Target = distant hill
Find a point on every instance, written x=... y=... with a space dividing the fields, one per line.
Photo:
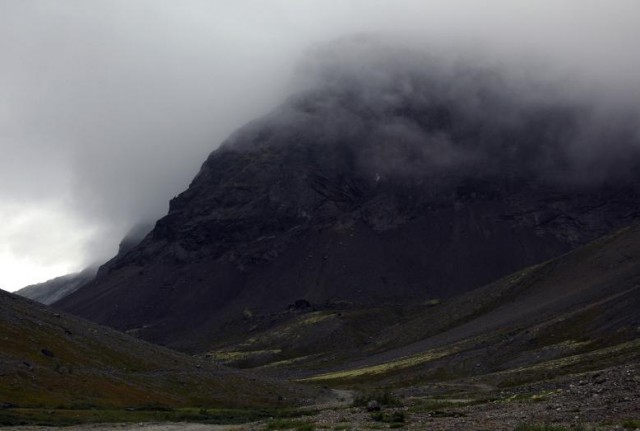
x=57 y=288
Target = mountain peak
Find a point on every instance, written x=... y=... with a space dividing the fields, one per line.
x=409 y=185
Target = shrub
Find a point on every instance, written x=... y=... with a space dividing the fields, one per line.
x=384 y=398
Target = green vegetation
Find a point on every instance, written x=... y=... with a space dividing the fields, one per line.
x=547 y=427
x=288 y=424
x=392 y=366
x=396 y=417
x=61 y=363
x=230 y=356
x=64 y=417
x=631 y=424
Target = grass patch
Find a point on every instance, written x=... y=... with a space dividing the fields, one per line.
x=547 y=427
x=231 y=356
x=288 y=424
x=391 y=366
x=631 y=424
x=529 y=398
x=66 y=417
x=446 y=414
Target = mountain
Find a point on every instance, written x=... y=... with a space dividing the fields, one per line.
x=133 y=237
x=391 y=180
x=52 y=360
x=57 y=288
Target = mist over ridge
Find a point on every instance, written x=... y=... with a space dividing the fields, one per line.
x=407 y=112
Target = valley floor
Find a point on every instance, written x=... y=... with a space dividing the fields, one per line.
x=602 y=400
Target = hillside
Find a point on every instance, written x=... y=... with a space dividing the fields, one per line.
x=577 y=313
x=52 y=360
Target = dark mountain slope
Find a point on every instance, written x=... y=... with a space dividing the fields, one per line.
x=51 y=360
x=575 y=313
x=382 y=185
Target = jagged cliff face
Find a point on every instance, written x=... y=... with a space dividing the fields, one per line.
x=409 y=185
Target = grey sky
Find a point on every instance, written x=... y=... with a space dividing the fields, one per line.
x=107 y=108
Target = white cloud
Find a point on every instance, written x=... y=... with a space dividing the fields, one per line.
x=38 y=242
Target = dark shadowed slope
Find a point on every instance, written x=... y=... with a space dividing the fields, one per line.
x=52 y=360
x=369 y=191
x=575 y=313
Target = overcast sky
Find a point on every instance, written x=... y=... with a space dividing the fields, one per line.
x=108 y=108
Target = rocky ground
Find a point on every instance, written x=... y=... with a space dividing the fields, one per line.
x=602 y=400
x=605 y=400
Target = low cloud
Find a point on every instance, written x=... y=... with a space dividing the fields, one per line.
x=409 y=112
x=108 y=108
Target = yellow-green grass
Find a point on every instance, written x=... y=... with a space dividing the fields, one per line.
x=288 y=330
x=237 y=355
x=391 y=366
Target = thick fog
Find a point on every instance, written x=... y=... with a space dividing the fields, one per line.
x=409 y=112
x=107 y=108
